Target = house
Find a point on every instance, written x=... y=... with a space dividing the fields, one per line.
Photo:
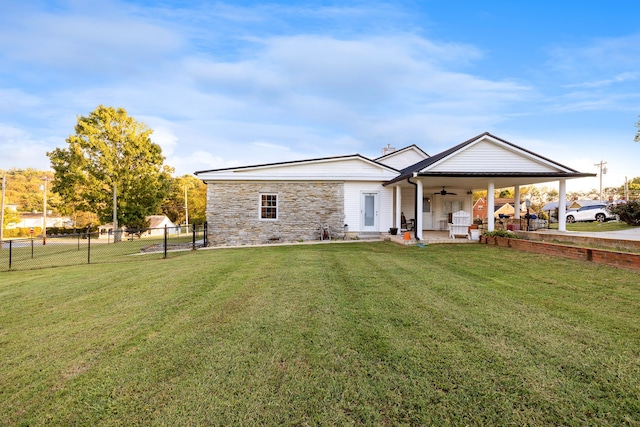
x=36 y=219
x=507 y=207
x=480 y=209
x=156 y=227
x=356 y=195
x=157 y=224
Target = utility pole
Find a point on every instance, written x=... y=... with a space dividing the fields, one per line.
x=186 y=207
x=626 y=189
x=603 y=170
x=44 y=212
x=116 y=234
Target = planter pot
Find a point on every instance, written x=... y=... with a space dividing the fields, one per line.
x=393 y=231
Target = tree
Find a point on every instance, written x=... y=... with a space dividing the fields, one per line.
x=174 y=204
x=637 y=138
x=505 y=193
x=9 y=217
x=23 y=190
x=628 y=212
x=111 y=152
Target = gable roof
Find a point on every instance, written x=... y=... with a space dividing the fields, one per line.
x=487 y=156
x=156 y=221
x=403 y=157
x=349 y=167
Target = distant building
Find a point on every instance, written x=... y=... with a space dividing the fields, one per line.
x=156 y=227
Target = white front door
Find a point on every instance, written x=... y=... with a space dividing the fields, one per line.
x=369 y=211
x=427 y=215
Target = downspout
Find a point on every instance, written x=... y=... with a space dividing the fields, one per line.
x=415 y=208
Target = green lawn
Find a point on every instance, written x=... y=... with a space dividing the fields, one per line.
x=592 y=226
x=339 y=334
x=64 y=251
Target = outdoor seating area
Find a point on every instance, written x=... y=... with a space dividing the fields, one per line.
x=460 y=223
x=506 y=222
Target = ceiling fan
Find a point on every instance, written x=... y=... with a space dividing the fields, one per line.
x=444 y=192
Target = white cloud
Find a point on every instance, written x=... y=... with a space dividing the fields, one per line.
x=225 y=85
x=619 y=78
x=113 y=41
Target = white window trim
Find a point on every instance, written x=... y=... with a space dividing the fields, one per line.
x=277 y=207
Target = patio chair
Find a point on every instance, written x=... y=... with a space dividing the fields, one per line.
x=459 y=226
x=406 y=225
x=325 y=232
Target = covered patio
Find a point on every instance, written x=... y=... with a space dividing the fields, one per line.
x=433 y=189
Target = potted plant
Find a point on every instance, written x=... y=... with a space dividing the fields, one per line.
x=393 y=231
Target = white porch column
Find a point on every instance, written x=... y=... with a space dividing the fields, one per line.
x=398 y=192
x=491 y=203
x=562 y=206
x=516 y=202
x=419 y=197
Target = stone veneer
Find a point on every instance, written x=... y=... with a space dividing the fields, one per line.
x=233 y=212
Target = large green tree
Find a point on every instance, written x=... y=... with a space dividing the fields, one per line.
x=111 y=150
x=637 y=138
x=174 y=204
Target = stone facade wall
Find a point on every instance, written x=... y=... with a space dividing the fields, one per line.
x=233 y=212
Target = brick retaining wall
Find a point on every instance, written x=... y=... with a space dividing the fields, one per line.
x=600 y=256
x=580 y=240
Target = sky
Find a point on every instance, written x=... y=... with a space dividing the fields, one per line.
x=228 y=83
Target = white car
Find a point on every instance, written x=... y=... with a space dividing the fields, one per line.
x=598 y=213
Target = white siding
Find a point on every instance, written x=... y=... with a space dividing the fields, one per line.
x=351 y=169
x=403 y=159
x=352 y=197
x=487 y=156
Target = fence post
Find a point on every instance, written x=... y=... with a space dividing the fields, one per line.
x=205 y=237
x=31 y=248
x=88 y=245
x=165 y=241
x=10 y=252
x=193 y=239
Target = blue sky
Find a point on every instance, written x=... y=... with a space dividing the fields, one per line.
x=245 y=82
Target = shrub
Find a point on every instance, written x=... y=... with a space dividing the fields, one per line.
x=628 y=212
x=501 y=233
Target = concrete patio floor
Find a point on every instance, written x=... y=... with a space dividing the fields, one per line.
x=428 y=237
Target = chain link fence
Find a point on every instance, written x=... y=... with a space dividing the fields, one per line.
x=94 y=248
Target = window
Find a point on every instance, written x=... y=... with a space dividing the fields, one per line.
x=268 y=206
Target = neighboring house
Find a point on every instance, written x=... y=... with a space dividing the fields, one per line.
x=291 y=201
x=35 y=219
x=480 y=209
x=156 y=227
x=506 y=207
x=157 y=223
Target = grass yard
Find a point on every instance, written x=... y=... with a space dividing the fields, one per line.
x=29 y=254
x=338 y=334
x=594 y=226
